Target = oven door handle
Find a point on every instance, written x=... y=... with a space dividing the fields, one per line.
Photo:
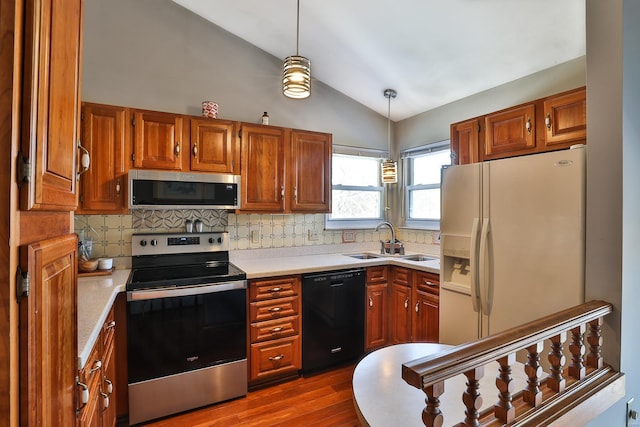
x=182 y=291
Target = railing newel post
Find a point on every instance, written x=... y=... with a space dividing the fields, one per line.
x=432 y=415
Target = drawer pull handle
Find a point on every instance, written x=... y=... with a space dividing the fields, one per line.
x=370 y=302
x=105 y=400
x=430 y=283
x=84 y=396
x=110 y=325
x=277 y=329
x=109 y=385
x=275 y=309
x=278 y=289
x=417 y=307
x=96 y=366
x=276 y=358
x=406 y=303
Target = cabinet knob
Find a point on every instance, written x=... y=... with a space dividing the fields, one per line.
x=195 y=150
x=417 y=308
x=406 y=303
x=282 y=191
x=370 y=302
x=528 y=125
x=118 y=187
x=177 y=149
x=547 y=121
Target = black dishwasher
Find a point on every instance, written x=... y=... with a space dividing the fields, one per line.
x=332 y=318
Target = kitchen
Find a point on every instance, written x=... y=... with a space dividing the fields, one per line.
x=88 y=91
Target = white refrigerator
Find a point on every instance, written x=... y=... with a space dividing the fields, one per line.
x=512 y=242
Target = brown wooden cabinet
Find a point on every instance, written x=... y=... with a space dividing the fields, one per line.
x=51 y=103
x=214 y=146
x=565 y=119
x=105 y=136
x=465 y=142
x=426 y=322
x=285 y=170
x=262 y=171
x=400 y=305
x=48 y=333
x=309 y=172
x=546 y=124
x=376 y=307
x=511 y=131
x=98 y=376
x=413 y=306
x=157 y=140
x=275 y=348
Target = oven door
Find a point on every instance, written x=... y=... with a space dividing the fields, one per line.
x=171 y=331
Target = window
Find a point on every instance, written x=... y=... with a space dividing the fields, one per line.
x=422 y=192
x=357 y=195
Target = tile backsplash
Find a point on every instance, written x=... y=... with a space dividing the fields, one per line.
x=111 y=234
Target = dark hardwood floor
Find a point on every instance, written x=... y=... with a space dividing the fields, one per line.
x=324 y=399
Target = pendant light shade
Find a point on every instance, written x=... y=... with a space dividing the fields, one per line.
x=296 y=70
x=389 y=167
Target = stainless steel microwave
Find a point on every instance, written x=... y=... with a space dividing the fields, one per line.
x=152 y=189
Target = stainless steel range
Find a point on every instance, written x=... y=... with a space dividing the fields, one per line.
x=186 y=324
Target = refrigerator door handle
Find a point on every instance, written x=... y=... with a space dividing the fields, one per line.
x=473 y=266
x=485 y=282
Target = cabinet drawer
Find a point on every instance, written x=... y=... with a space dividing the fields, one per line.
x=428 y=282
x=274 y=309
x=275 y=357
x=401 y=276
x=377 y=274
x=273 y=329
x=275 y=288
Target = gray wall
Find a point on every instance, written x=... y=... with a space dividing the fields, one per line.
x=433 y=126
x=154 y=54
x=613 y=205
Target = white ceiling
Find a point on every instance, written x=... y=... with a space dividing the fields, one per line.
x=431 y=52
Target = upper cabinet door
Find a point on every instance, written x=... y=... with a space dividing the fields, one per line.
x=157 y=140
x=565 y=118
x=510 y=132
x=48 y=333
x=51 y=99
x=262 y=172
x=309 y=172
x=213 y=146
x=465 y=142
x=102 y=187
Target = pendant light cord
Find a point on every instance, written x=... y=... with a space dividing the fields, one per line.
x=298 y=30
x=388 y=125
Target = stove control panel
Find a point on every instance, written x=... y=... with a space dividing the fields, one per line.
x=178 y=243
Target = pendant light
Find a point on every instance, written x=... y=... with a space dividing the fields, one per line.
x=296 y=71
x=389 y=167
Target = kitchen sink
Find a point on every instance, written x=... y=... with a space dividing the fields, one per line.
x=363 y=256
x=418 y=257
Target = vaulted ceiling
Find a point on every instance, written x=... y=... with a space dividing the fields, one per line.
x=431 y=52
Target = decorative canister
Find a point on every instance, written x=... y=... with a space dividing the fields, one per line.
x=210 y=109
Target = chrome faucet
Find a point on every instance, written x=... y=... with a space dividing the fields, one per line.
x=392 y=246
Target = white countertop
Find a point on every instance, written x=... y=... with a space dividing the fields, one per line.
x=96 y=294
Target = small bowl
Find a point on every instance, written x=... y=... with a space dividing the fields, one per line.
x=87 y=265
x=105 y=263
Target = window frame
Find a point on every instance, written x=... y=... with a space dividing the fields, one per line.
x=407 y=157
x=359 y=223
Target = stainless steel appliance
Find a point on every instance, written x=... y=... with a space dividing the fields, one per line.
x=512 y=242
x=186 y=324
x=152 y=189
x=332 y=318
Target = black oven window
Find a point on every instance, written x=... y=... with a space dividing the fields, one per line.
x=172 y=335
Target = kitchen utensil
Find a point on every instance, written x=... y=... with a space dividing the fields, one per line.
x=199 y=225
x=188 y=226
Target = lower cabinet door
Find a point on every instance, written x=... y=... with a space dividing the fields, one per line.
x=275 y=357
